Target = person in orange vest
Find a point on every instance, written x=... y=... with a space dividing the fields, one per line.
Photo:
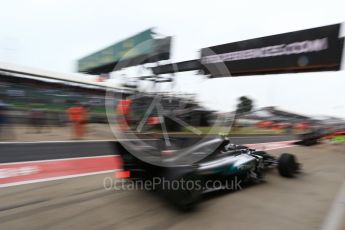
x=77 y=116
x=123 y=112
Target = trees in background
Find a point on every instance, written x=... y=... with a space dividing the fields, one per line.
x=245 y=105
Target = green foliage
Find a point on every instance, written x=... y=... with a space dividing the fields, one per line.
x=245 y=105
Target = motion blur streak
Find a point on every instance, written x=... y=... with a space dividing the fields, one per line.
x=12 y=173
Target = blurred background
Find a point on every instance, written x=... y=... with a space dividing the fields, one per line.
x=78 y=76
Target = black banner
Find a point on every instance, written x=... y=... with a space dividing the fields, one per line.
x=317 y=49
x=177 y=67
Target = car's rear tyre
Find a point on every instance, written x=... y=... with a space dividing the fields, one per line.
x=287 y=165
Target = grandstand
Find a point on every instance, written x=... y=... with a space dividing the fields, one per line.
x=24 y=88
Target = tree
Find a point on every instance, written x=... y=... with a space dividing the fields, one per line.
x=245 y=105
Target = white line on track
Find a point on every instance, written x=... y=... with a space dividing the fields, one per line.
x=62 y=159
x=67 y=141
x=54 y=178
x=254 y=137
x=336 y=216
x=52 y=142
x=281 y=147
x=271 y=142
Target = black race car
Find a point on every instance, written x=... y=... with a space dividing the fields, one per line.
x=229 y=166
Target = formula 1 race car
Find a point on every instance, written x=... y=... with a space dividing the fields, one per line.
x=229 y=166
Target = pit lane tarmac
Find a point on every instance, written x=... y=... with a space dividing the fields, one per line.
x=279 y=203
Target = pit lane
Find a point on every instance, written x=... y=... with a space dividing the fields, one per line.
x=46 y=150
x=279 y=203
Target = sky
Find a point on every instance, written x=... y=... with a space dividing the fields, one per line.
x=53 y=34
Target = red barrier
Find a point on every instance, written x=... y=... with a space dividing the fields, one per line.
x=37 y=170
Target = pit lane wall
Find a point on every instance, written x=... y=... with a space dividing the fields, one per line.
x=18 y=173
